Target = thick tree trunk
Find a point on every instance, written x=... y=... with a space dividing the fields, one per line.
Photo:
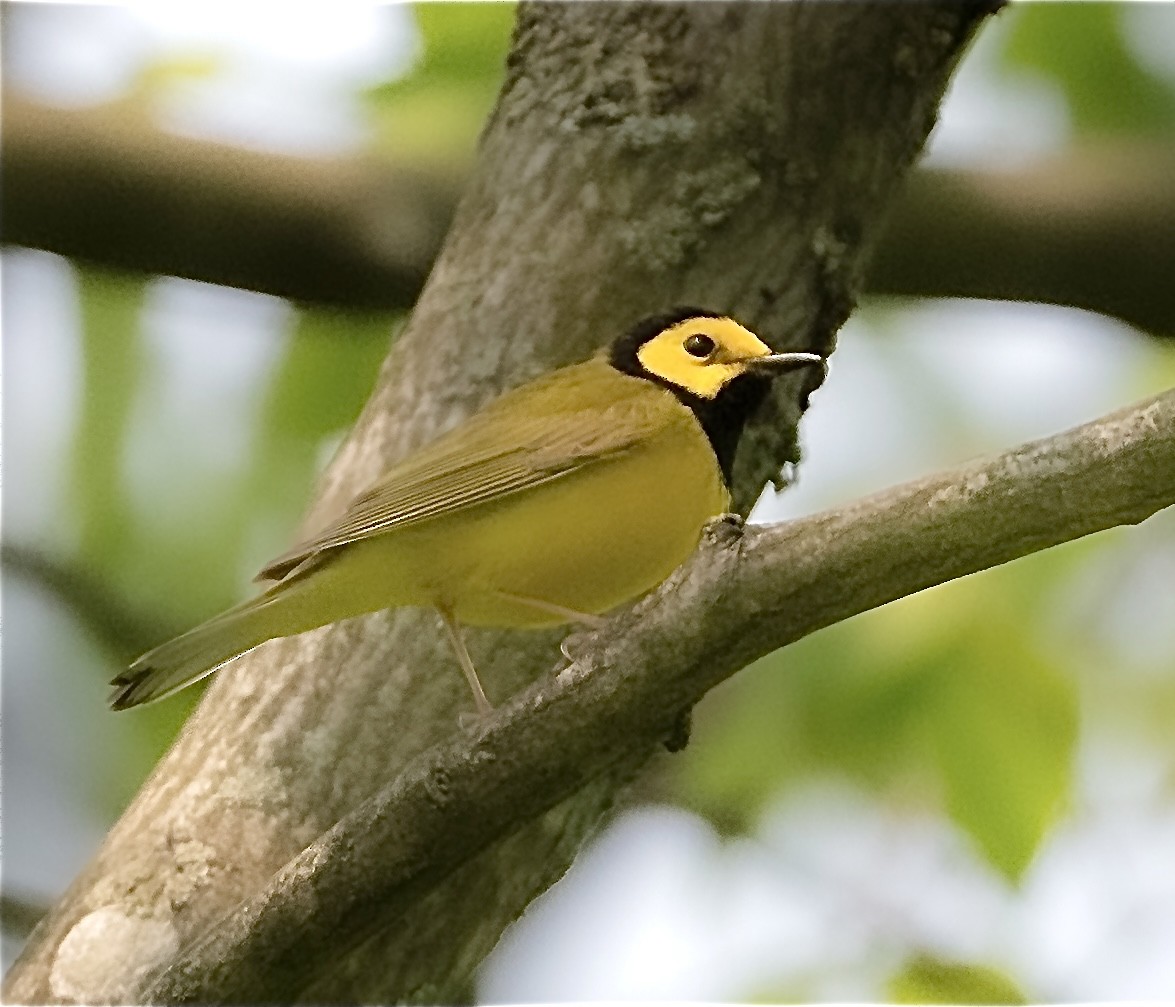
x=641 y=155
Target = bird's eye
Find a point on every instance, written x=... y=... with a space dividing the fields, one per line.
x=699 y=345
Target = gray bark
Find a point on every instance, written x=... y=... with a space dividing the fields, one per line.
x=641 y=155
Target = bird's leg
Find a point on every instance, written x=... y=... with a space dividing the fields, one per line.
x=484 y=707
x=570 y=614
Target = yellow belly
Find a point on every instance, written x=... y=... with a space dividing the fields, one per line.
x=588 y=542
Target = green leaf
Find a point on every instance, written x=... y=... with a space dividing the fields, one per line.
x=433 y=113
x=465 y=41
x=326 y=374
x=925 y=979
x=160 y=75
x=112 y=371
x=831 y=703
x=1083 y=49
x=330 y=364
x=946 y=697
x=1003 y=733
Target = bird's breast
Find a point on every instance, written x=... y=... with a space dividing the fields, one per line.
x=591 y=540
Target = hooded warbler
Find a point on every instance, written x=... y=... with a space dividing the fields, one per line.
x=558 y=501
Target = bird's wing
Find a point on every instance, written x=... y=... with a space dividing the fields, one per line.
x=538 y=433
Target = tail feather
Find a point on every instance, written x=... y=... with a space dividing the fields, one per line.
x=188 y=658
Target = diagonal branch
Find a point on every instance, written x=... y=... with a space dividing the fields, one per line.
x=742 y=595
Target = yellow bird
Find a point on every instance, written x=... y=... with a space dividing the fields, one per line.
x=559 y=501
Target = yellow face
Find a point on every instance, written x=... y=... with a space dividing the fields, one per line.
x=702 y=355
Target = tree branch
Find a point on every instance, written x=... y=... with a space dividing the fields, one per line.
x=1094 y=228
x=743 y=595
x=122 y=629
x=105 y=186
x=640 y=155
x=20 y=913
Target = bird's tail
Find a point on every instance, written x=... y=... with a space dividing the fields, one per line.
x=188 y=658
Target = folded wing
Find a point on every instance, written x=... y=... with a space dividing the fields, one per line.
x=541 y=432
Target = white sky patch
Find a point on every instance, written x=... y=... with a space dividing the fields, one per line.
x=42 y=375
x=290 y=71
x=1150 y=33
x=282 y=76
x=73 y=54
x=699 y=920
x=833 y=894
x=990 y=121
x=211 y=351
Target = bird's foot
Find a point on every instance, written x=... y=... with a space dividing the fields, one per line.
x=572 y=646
x=725 y=529
x=470 y=720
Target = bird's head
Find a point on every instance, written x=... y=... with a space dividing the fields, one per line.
x=715 y=366
x=701 y=354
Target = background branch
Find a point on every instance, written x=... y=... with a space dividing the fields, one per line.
x=1094 y=228
x=20 y=913
x=742 y=596
x=92 y=600
x=105 y=186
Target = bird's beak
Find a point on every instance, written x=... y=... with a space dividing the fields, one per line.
x=781 y=362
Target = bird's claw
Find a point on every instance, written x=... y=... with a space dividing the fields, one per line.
x=471 y=720
x=570 y=645
x=724 y=529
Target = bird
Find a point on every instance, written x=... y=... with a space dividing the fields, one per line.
x=557 y=502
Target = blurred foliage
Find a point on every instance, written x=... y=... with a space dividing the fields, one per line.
x=922 y=979
x=925 y=979
x=317 y=389
x=947 y=697
x=432 y=114
x=1083 y=49
x=112 y=371
x=173 y=559
x=161 y=75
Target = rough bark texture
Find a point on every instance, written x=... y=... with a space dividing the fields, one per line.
x=641 y=155
x=744 y=594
